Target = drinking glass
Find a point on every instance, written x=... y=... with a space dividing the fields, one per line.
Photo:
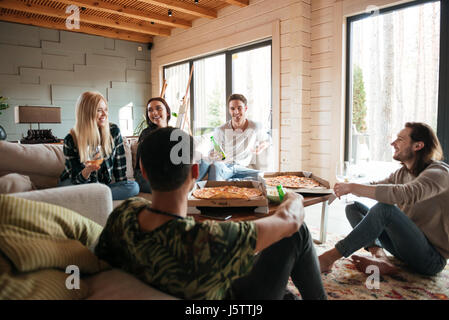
x=94 y=155
x=343 y=174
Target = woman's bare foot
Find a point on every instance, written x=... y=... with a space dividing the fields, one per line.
x=327 y=259
x=385 y=266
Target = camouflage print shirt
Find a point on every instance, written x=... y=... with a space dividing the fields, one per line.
x=187 y=259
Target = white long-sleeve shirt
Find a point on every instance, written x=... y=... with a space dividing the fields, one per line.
x=238 y=145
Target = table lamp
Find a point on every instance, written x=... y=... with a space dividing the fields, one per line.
x=38 y=114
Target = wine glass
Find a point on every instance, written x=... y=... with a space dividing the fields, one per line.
x=343 y=174
x=94 y=155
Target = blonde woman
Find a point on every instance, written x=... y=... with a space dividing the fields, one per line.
x=92 y=129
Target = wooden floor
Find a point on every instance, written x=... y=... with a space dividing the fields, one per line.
x=337 y=222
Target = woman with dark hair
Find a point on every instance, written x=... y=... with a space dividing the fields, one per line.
x=157 y=116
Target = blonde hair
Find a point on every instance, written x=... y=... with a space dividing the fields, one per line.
x=86 y=131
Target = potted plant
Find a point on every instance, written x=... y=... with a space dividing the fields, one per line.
x=3 y=105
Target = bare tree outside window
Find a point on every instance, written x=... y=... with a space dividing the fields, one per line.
x=177 y=78
x=395 y=70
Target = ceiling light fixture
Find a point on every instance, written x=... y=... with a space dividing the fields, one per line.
x=169 y=13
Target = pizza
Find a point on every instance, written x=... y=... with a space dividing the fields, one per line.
x=227 y=192
x=294 y=182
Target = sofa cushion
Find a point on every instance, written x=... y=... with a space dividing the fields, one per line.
x=43 y=163
x=116 y=284
x=46 y=284
x=38 y=237
x=132 y=142
x=15 y=182
x=92 y=200
x=129 y=159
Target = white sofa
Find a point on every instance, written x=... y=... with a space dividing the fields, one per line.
x=27 y=167
x=94 y=201
x=32 y=172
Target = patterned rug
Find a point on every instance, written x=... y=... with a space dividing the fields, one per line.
x=345 y=282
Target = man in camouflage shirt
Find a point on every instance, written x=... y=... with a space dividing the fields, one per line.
x=163 y=247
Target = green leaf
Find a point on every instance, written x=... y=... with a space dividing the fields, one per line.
x=3 y=104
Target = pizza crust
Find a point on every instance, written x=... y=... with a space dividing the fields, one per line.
x=226 y=193
x=294 y=182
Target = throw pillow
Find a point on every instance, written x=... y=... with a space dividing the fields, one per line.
x=40 y=240
x=14 y=182
x=46 y=284
x=129 y=159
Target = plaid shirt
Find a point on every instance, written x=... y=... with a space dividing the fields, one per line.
x=112 y=166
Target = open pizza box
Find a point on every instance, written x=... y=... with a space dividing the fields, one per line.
x=324 y=187
x=258 y=204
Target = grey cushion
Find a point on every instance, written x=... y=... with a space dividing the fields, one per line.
x=14 y=182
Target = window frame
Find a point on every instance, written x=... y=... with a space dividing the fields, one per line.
x=228 y=65
x=443 y=95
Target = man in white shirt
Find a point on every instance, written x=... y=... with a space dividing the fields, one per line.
x=241 y=139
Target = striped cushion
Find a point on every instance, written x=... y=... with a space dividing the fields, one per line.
x=46 y=284
x=39 y=240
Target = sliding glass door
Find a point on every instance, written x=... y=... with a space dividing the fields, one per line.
x=393 y=74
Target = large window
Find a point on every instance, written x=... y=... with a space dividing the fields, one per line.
x=251 y=76
x=209 y=93
x=245 y=70
x=177 y=78
x=393 y=74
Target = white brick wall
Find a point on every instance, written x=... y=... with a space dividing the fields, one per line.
x=40 y=66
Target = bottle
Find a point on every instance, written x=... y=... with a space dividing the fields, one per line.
x=281 y=192
x=218 y=148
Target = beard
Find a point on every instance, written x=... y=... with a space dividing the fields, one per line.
x=404 y=155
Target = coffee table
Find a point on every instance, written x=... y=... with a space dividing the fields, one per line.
x=309 y=200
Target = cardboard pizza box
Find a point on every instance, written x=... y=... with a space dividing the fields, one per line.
x=324 y=184
x=260 y=203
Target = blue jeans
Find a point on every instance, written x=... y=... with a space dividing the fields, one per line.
x=220 y=171
x=121 y=190
x=293 y=256
x=204 y=169
x=145 y=186
x=387 y=227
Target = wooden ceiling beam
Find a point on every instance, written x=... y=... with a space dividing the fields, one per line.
x=192 y=9
x=129 y=12
x=60 y=13
x=116 y=34
x=240 y=3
